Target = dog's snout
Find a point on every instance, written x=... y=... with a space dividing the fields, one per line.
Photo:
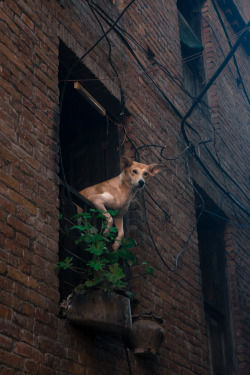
x=141 y=183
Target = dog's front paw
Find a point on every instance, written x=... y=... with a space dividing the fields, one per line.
x=116 y=245
x=106 y=231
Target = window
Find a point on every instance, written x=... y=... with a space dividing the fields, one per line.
x=191 y=45
x=90 y=149
x=215 y=290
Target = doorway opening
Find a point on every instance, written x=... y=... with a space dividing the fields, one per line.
x=211 y=229
x=89 y=147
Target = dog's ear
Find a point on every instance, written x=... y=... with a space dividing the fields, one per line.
x=125 y=162
x=155 y=168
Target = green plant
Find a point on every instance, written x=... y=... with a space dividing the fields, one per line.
x=104 y=268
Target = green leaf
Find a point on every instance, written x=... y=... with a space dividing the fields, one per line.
x=79 y=240
x=93 y=282
x=113 y=230
x=149 y=270
x=68 y=262
x=119 y=284
x=96 y=264
x=128 y=243
x=115 y=273
x=125 y=254
x=82 y=228
x=113 y=257
x=83 y=215
x=130 y=295
x=97 y=248
x=113 y=212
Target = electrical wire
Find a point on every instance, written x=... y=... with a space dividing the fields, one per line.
x=112 y=27
x=66 y=81
x=198 y=11
x=187 y=115
x=173 y=269
x=127 y=357
x=171 y=104
x=91 y=49
x=230 y=45
x=103 y=14
x=137 y=155
x=167 y=216
x=225 y=219
x=209 y=152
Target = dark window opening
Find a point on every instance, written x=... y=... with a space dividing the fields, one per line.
x=90 y=151
x=191 y=46
x=215 y=288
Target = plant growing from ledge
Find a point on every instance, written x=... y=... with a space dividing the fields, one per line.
x=104 y=268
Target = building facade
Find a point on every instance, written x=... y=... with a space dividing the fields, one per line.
x=82 y=83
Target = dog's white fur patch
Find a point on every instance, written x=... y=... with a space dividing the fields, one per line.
x=107 y=196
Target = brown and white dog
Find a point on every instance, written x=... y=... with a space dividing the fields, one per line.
x=117 y=193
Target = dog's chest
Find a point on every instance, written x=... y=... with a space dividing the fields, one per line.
x=115 y=202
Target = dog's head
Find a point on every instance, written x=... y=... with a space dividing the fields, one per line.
x=138 y=173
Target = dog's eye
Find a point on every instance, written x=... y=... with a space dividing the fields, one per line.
x=135 y=171
x=145 y=174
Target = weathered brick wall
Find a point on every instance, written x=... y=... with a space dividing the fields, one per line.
x=230 y=121
x=34 y=339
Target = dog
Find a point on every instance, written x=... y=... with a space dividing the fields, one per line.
x=117 y=193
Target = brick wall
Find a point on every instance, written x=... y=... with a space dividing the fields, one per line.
x=33 y=337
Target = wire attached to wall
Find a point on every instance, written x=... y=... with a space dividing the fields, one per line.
x=193 y=106
x=66 y=81
x=167 y=99
x=227 y=36
x=196 y=101
x=230 y=45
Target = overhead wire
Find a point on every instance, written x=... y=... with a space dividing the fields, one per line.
x=189 y=112
x=112 y=27
x=188 y=236
x=228 y=220
x=66 y=81
x=91 y=49
x=218 y=164
x=221 y=168
x=230 y=45
x=221 y=49
x=172 y=105
x=105 y=16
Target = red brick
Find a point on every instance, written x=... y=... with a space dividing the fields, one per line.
x=15 y=274
x=20 y=226
x=10 y=359
x=5 y=342
x=36 y=299
x=20 y=200
x=9 y=180
x=44 y=370
x=26 y=350
x=7 y=133
x=41 y=315
x=27 y=21
x=7 y=371
x=28 y=337
x=6 y=230
x=7 y=205
x=11 y=56
x=30 y=367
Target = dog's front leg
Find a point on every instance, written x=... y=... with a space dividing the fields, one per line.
x=99 y=205
x=118 y=221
